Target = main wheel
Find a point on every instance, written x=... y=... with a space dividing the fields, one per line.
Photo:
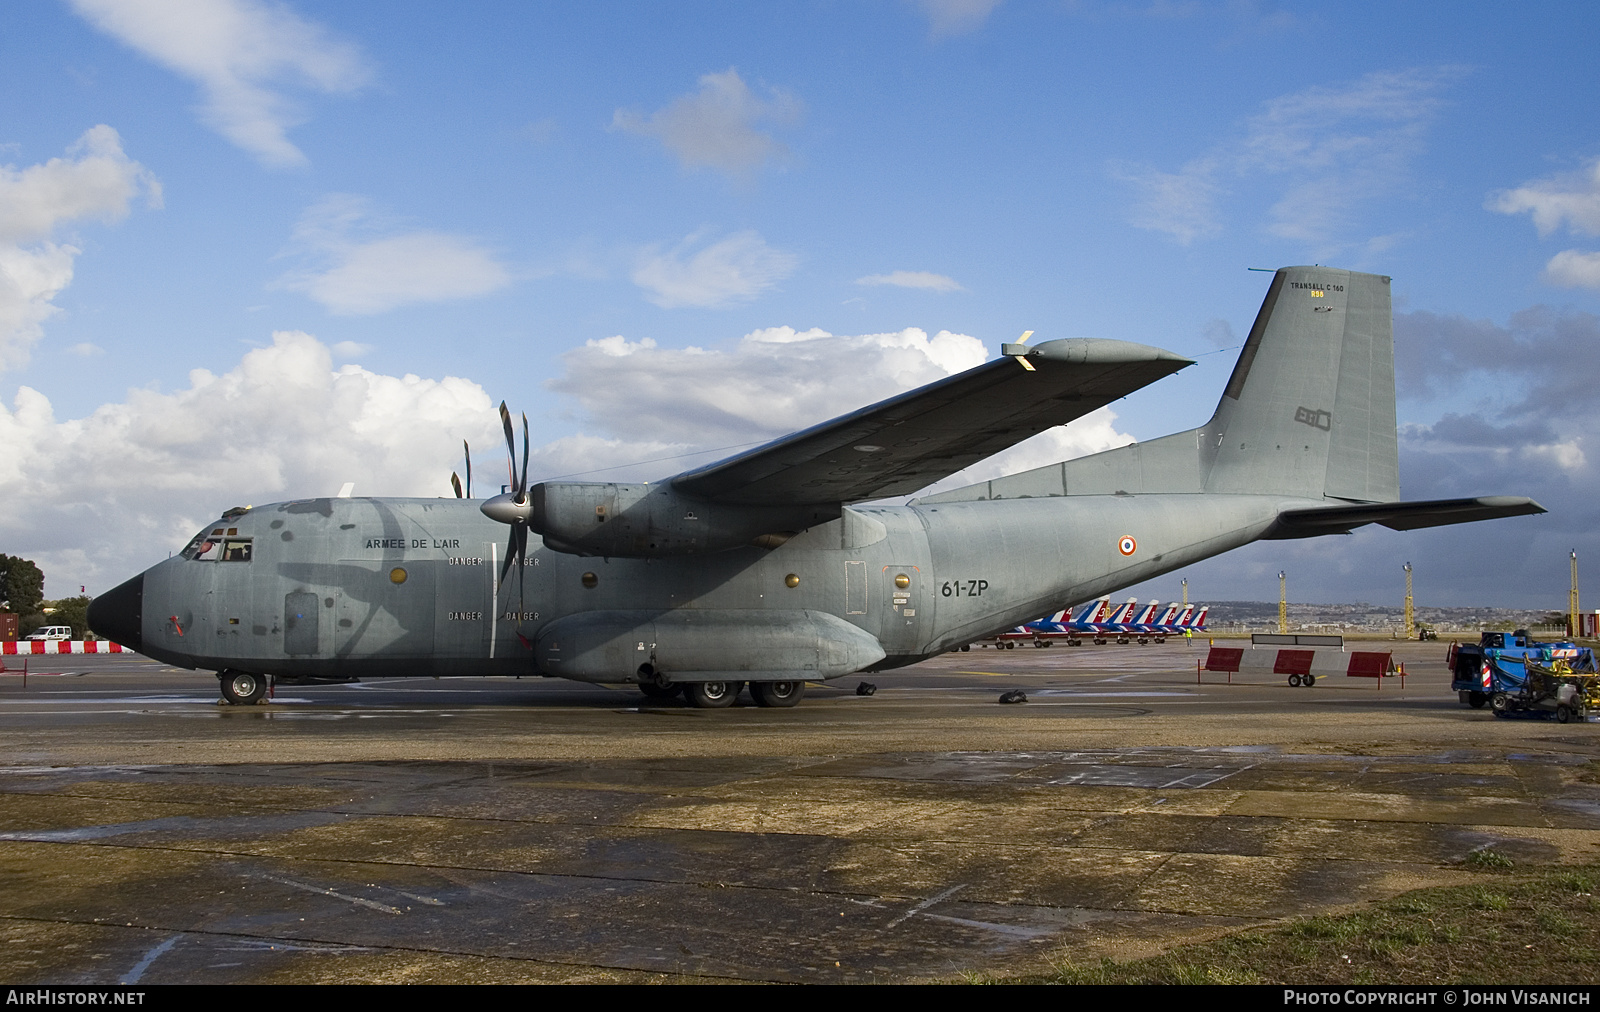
x=241 y=688
x=711 y=695
x=659 y=693
x=777 y=693
x=1500 y=703
x=1476 y=699
x=1308 y=680
x=1294 y=681
x=1563 y=714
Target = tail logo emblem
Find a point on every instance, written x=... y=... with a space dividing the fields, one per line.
x=1316 y=419
x=1127 y=546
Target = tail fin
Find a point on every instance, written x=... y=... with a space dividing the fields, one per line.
x=1199 y=621
x=1124 y=614
x=1309 y=409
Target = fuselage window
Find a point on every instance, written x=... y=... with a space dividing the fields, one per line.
x=236 y=550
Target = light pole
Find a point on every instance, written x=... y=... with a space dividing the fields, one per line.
x=1283 y=603
x=1411 y=623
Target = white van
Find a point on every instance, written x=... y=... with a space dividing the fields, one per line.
x=51 y=632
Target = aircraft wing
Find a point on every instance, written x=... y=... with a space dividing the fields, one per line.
x=906 y=443
x=1399 y=516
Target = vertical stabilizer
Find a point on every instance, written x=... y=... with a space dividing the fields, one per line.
x=1309 y=409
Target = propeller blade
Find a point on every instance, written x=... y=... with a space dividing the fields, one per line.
x=511 y=557
x=455 y=483
x=511 y=443
x=519 y=533
x=468 y=451
x=522 y=481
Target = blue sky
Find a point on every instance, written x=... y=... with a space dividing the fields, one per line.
x=250 y=251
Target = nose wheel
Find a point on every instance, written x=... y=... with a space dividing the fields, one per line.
x=242 y=688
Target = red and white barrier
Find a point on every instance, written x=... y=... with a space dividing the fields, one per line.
x=1300 y=661
x=63 y=647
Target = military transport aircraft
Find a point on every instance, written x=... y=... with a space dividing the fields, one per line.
x=773 y=567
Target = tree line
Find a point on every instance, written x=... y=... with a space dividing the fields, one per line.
x=22 y=592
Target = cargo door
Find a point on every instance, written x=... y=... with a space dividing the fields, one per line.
x=301 y=624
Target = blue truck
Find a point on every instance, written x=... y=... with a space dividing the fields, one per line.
x=1513 y=672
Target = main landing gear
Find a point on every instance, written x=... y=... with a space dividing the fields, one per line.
x=242 y=688
x=716 y=695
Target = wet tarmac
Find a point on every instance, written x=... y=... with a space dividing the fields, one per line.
x=501 y=830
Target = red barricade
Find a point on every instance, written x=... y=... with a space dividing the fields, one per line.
x=1368 y=665
x=1294 y=662
x=1224 y=659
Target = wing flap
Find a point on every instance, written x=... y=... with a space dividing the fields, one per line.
x=906 y=443
x=1399 y=516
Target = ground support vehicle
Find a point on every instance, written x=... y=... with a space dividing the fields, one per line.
x=1555 y=691
x=1499 y=661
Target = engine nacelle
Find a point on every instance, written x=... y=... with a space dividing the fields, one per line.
x=645 y=521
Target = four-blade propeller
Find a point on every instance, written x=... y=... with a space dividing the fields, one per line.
x=513 y=507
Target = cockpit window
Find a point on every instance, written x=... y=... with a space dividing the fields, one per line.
x=212 y=545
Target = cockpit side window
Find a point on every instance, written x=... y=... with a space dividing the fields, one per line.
x=206 y=546
x=218 y=544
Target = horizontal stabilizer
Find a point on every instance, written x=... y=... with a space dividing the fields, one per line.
x=1399 y=516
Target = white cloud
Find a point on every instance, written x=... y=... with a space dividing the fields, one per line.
x=716 y=127
x=1572 y=199
x=362 y=276
x=1092 y=433
x=95 y=499
x=772 y=382
x=913 y=279
x=1574 y=269
x=238 y=51
x=97 y=182
x=730 y=270
x=956 y=17
x=349 y=349
x=1328 y=151
x=1182 y=204
x=86 y=349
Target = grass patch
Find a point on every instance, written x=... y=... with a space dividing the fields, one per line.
x=1489 y=859
x=1528 y=928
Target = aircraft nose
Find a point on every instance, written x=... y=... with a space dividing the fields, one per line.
x=118 y=614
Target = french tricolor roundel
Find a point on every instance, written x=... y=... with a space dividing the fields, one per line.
x=1127 y=546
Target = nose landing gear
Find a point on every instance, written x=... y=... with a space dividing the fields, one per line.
x=242 y=688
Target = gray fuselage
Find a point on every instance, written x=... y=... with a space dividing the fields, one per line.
x=373 y=587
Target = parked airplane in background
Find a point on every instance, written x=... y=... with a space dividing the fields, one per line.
x=773 y=568
x=1098 y=622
